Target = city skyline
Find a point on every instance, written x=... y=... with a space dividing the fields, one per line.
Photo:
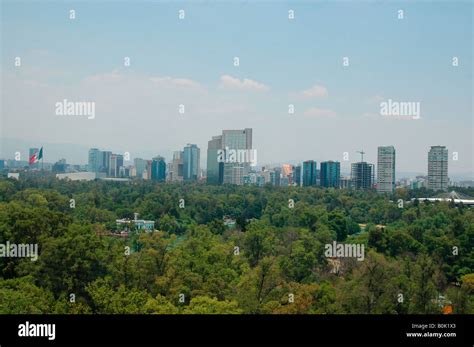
x=185 y=166
x=241 y=160
x=336 y=108
x=345 y=165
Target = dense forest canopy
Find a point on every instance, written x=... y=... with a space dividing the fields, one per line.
x=418 y=256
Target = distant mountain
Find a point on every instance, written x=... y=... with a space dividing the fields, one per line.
x=73 y=153
x=52 y=152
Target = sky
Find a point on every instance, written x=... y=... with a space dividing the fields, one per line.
x=282 y=61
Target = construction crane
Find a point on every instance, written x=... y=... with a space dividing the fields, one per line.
x=361 y=155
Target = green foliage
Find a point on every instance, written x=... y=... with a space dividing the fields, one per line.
x=206 y=305
x=107 y=299
x=21 y=296
x=422 y=252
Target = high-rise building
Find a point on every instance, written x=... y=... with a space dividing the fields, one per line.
x=147 y=174
x=362 y=175
x=260 y=180
x=236 y=140
x=237 y=175
x=104 y=167
x=119 y=165
x=113 y=166
x=115 y=163
x=297 y=175
x=176 y=167
x=275 y=177
x=229 y=157
x=140 y=166
x=266 y=176
x=438 y=168
x=191 y=162
x=158 y=169
x=94 y=162
x=345 y=182
x=330 y=174
x=386 y=169
x=215 y=168
x=309 y=173
x=286 y=170
x=123 y=172
x=60 y=166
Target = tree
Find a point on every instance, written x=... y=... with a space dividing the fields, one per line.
x=371 y=288
x=257 y=243
x=259 y=286
x=22 y=296
x=160 y=305
x=423 y=290
x=207 y=305
x=107 y=299
x=338 y=223
x=68 y=263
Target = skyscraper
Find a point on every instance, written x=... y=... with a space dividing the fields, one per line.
x=214 y=167
x=229 y=157
x=438 y=168
x=113 y=167
x=237 y=175
x=176 y=167
x=115 y=163
x=330 y=174
x=95 y=160
x=236 y=140
x=105 y=163
x=362 y=175
x=140 y=166
x=119 y=163
x=275 y=177
x=158 y=169
x=297 y=175
x=309 y=173
x=191 y=165
x=386 y=169
x=149 y=166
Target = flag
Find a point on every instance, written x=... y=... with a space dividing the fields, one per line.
x=33 y=158
x=36 y=156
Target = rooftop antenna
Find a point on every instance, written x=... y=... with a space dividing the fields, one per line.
x=361 y=155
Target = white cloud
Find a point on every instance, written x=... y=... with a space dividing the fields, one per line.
x=175 y=82
x=316 y=91
x=156 y=81
x=315 y=112
x=229 y=82
x=113 y=76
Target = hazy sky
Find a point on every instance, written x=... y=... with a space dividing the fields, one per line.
x=190 y=61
